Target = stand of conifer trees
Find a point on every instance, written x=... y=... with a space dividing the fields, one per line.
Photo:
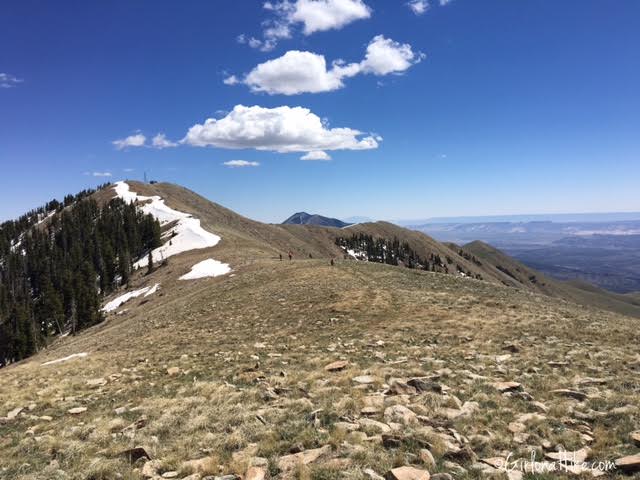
x=393 y=252
x=53 y=276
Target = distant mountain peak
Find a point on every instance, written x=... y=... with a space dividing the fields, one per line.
x=304 y=218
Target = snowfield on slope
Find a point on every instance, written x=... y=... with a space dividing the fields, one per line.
x=116 y=302
x=186 y=235
x=66 y=359
x=207 y=268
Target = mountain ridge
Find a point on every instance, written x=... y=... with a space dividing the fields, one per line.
x=304 y=218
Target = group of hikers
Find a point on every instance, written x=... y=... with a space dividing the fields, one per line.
x=310 y=256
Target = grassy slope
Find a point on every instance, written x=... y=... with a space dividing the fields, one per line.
x=275 y=326
x=250 y=350
x=578 y=292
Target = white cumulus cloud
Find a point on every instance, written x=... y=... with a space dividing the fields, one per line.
x=298 y=72
x=160 y=141
x=316 y=155
x=313 y=15
x=280 y=129
x=241 y=164
x=137 y=140
x=418 y=6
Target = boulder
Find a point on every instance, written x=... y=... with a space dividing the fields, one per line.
x=173 y=371
x=407 y=473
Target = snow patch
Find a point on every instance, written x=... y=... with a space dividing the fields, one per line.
x=152 y=290
x=66 y=359
x=116 y=302
x=186 y=235
x=207 y=268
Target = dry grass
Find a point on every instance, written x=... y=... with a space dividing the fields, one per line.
x=251 y=349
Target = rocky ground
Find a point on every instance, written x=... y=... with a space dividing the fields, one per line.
x=306 y=371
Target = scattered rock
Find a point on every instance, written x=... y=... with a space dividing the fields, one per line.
x=173 y=371
x=290 y=462
x=255 y=473
x=563 y=392
x=441 y=476
x=391 y=441
x=503 y=387
x=336 y=366
x=14 y=413
x=495 y=462
x=531 y=417
x=77 y=410
x=201 y=465
x=370 y=411
x=516 y=427
x=172 y=474
x=407 y=473
x=347 y=426
x=629 y=464
x=364 y=379
x=635 y=437
x=370 y=423
x=96 y=382
x=134 y=454
x=427 y=458
x=150 y=469
x=624 y=410
x=372 y=475
x=400 y=414
x=577 y=457
x=398 y=387
x=422 y=385
x=541 y=407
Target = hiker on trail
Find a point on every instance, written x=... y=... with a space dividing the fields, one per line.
x=310 y=256
x=280 y=257
x=332 y=262
x=290 y=256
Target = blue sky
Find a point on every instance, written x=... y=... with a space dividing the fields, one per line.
x=470 y=108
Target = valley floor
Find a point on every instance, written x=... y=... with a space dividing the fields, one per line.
x=233 y=376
